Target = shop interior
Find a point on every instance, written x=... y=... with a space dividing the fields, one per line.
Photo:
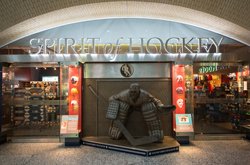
x=221 y=103
x=31 y=99
x=35 y=96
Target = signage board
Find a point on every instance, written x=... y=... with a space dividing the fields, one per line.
x=50 y=78
x=184 y=125
x=69 y=126
x=123 y=45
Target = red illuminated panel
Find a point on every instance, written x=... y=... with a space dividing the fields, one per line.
x=75 y=92
x=178 y=89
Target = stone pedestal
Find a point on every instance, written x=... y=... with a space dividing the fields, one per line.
x=168 y=145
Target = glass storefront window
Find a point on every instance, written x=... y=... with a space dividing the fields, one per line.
x=34 y=98
x=219 y=99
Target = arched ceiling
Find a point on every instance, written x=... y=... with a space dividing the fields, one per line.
x=22 y=18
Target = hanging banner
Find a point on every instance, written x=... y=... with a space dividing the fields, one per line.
x=178 y=90
x=74 y=96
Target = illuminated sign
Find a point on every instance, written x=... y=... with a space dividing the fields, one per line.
x=184 y=123
x=69 y=125
x=208 y=69
x=74 y=90
x=154 y=45
x=50 y=78
x=178 y=88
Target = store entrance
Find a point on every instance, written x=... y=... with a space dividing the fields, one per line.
x=220 y=99
x=31 y=100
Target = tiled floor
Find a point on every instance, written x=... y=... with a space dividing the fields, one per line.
x=229 y=152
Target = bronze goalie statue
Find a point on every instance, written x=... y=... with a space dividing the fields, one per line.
x=136 y=98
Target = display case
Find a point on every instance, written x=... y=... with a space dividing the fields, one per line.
x=34 y=102
x=35 y=96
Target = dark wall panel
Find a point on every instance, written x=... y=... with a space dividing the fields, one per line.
x=95 y=107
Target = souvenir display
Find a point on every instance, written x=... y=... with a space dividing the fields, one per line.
x=179 y=82
x=18 y=114
x=17 y=110
x=51 y=114
x=74 y=92
x=74 y=80
x=75 y=105
x=179 y=90
x=36 y=110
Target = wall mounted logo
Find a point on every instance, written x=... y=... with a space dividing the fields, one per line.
x=127 y=70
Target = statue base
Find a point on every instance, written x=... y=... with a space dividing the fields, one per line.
x=168 y=145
